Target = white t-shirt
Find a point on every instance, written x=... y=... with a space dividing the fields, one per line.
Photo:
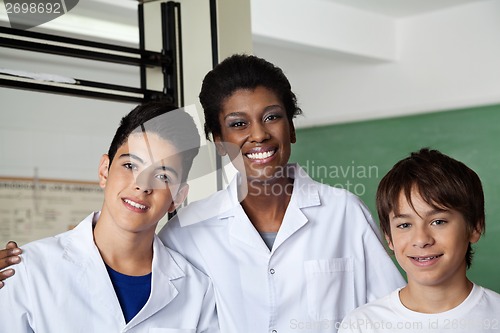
x=479 y=312
x=326 y=260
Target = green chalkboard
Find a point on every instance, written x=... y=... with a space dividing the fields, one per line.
x=357 y=155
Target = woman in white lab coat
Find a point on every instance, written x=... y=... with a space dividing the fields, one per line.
x=285 y=253
x=111 y=273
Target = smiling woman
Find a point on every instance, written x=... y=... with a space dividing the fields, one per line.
x=256 y=123
x=281 y=248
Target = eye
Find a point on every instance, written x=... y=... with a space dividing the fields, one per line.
x=237 y=123
x=130 y=166
x=272 y=117
x=403 y=225
x=163 y=177
x=438 y=222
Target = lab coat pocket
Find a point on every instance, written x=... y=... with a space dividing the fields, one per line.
x=172 y=330
x=330 y=288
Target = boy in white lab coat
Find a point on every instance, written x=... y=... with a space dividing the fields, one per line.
x=431 y=209
x=112 y=273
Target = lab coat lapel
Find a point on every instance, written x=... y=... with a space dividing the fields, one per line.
x=242 y=230
x=305 y=194
x=163 y=290
x=81 y=251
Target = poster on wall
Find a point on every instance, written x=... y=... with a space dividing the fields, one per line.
x=32 y=209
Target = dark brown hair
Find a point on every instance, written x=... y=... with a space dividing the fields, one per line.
x=441 y=181
x=167 y=121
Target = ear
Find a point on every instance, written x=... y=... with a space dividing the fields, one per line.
x=293 y=138
x=474 y=236
x=219 y=146
x=389 y=241
x=103 y=170
x=179 y=197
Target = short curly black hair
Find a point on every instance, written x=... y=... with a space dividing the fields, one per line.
x=241 y=71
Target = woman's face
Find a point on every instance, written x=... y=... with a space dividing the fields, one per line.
x=254 y=122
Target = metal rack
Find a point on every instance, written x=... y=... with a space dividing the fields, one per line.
x=169 y=60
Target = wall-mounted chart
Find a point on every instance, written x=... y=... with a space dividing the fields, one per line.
x=31 y=209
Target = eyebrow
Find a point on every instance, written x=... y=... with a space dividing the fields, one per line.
x=161 y=167
x=427 y=214
x=167 y=168
x=132 y=156
x=242 y=113
x=234 y=114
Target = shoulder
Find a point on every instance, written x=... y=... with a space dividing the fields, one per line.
x=305 y=185
x=377 y=309
x=190 y=271
x=199 y=214
x=491 y=297
x=46 y=246
x=68 y=247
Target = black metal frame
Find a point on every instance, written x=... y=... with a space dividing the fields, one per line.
x=172 y=48
x=169 y=60
x=215 y=61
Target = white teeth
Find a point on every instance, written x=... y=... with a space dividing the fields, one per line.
x=259 y=156
x=134 y=204
x=425 y=259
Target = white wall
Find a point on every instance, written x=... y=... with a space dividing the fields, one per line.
x=446 y=59
x=63 y=137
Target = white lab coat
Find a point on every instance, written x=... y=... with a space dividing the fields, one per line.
x=327 y=259
x=62 y=285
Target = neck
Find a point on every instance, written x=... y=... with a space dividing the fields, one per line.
x=125 y=252
x=435 y=299
x=266 y=203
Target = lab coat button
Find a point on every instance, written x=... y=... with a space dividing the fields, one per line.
x=272 y=272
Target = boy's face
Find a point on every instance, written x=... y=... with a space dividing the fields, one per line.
x=143 y=182
x=430 y=244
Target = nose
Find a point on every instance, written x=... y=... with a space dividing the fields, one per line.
x=422 y=237
x=142 y=184
x=144 y=189
x=259 y=133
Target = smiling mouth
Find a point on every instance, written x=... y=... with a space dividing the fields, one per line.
x=261 y=155
x=425 y=259
x=135 y=204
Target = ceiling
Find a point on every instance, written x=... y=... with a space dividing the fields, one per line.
x=118 y=19
x=402 y=8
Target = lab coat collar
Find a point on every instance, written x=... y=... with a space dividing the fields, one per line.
x=163 y=291
x=305 y=190
x=225 y=204
x=305 y=194
x=221 y=202
x=81 y=250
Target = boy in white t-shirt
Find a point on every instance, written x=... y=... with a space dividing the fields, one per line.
x=431 y=209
